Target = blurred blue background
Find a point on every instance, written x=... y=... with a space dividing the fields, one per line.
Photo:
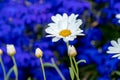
x=23 y=23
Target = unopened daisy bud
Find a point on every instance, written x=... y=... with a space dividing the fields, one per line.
x=72 y=51
x=38 y=53
x=11 y=49
x=1 y=51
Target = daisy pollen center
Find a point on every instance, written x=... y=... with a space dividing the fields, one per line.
x=65 y=33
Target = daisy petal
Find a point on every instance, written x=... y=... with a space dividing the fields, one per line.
x=52 y=25
x=59 y=16
x=65 y=39
x=114 y=43
x=55 y=39
x=117 y=55
x=78 y=23
x=50 y=35
x=56 y=18
x=72 y=18
x=119 y=41
x=65 y=16
x=81 y=34
x=118 y=16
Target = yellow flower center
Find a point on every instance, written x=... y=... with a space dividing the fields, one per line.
x=65 y=33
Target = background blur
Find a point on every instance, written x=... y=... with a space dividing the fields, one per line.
x=22 y=23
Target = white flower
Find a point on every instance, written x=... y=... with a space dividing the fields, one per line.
x=117 y=16
x=72 y=51
x=66 y=27
x=38 y=53
x=118 y=21
x=11 y=49
x=115 y=48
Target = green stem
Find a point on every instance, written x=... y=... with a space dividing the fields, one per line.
x=76 y=66
x=43 y=68
x=15 y=68
x=71 y=63
x=9 y=72
x=3 y=68
x=72 y=66
x=67 y=43
x=29 y=78
x=58 y=70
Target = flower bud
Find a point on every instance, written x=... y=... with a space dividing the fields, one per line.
x=1 y=52
x=11 y=49
x=72 y=51
x=38 y=53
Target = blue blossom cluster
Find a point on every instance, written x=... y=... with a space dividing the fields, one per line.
x=109 y=10
x=22 y=23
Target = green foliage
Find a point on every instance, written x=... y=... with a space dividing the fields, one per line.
x=71 y=73
x=110 y=32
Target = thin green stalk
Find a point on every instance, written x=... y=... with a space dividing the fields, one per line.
x=76 y=66
x=29 y=78
x=9 y=72
x=67 y=43
x=3 y=68
x=72 y=66
x=15 y=68
x=58 y=70
x=43 y=68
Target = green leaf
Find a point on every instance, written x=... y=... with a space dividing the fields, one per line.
x=15 y=69
x=93 y=76
x=48 y=65
x=81 y=61
x=71 y=73
x=117 y=72
x=29 y=78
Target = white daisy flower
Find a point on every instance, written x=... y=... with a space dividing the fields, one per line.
x=115 y=48
x=65 y=27
x=118 y=17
